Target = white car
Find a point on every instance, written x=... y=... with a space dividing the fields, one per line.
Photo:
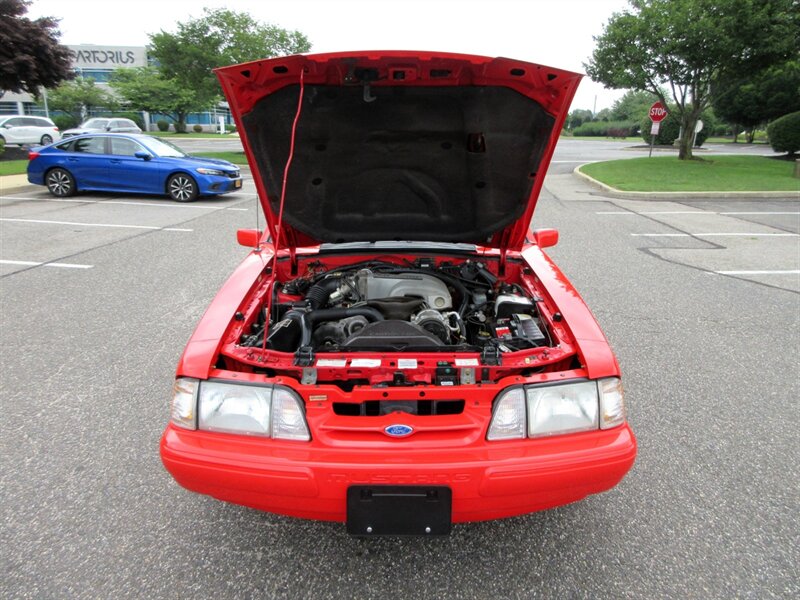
x=96 y=125
x=23 y=129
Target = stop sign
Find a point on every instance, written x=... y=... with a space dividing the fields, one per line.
x=658 y=112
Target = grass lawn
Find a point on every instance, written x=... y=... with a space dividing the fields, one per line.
x=172 y=134
x=237 y=158
x=13 y=167
x=712 y=174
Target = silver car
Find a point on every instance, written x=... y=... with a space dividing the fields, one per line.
x=23 y=130
x=104 y=125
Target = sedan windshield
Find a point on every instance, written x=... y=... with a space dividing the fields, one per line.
x=162 y=147
x=95 y=124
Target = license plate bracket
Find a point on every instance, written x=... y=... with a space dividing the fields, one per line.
x=399 y=510
x=237 y=184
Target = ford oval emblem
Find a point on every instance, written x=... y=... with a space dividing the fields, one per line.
x=398 y=430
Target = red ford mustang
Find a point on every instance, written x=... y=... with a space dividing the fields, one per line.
x=397 y=351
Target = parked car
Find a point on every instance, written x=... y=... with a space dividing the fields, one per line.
x=412 y=357
x=129 y=163
x=98 y=125
x=23 y=130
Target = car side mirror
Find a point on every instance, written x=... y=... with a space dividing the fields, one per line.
x=248 y=237
x=545 y=238
x=143 y=155
x=108 y=128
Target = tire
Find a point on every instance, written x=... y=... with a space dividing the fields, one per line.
x=46 y=139
x=60 y=182
x=182 y=188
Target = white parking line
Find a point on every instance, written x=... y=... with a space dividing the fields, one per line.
x=758 y=212
x=150 y=227
x=715 y=235
x=78 y=201
x=51 y=264
x=790 y=272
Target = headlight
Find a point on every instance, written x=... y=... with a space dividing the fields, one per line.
x=544 y=410
x=562 y=408
x=267 y=411
x=206 y=171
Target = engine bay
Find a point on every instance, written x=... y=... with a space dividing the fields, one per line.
x=377 y=306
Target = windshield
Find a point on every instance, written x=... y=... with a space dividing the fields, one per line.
x=95 y=124
x=162 y=147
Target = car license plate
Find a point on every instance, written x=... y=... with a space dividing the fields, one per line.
x=398 y=510
x=237 y=184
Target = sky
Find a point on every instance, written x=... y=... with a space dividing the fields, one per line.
x=556 y=33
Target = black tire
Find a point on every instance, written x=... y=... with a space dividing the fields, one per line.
x=46 y=139
x=182 y=188
x=60 y=182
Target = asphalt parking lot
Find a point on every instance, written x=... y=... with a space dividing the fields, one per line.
x=699 y=299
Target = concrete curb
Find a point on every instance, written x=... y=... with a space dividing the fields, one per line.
x=14 y=183
x=615 y=193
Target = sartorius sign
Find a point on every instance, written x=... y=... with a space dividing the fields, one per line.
x=108 y=57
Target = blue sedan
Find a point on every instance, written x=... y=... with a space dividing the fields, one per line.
x=129 y=163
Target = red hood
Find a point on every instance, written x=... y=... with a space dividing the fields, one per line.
x=418 y=146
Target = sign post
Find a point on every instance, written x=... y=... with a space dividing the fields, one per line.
x=658 y=112
x=697 y=129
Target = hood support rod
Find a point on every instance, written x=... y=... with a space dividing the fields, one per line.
x=274 y=273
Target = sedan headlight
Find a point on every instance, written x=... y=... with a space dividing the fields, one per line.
x=206 y=171
x=267 y=411
x=545 y=410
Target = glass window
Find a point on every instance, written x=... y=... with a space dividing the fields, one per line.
x=90 y=145
x=16 y=122
x=64 y=146
x=34 y=122
x=124 y=147
x=162 y=147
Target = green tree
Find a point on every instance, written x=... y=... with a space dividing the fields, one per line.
x=687 y=45
x=30 y=55
x=760 y=98
x=78 y=97
x=632 y=106
x=145 y=88
x=221 y=37
x=578 y=117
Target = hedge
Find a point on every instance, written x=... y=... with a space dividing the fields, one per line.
x=606 y=129
x=784 y=133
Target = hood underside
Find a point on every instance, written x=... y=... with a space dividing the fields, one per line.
x=399 y=145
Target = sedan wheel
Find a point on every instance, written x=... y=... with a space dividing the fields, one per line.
x=60 y=183
x=182 y=188
x=46 y=139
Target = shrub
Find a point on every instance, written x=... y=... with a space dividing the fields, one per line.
x=2 y=145
x=197 y=128
x=162 y=125
x=784 y=133
x=605 y=129
x=65 y=122
x=230 y=128
x=180 y=127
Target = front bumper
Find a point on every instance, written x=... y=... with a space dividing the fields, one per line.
x=489 y=481
x=211 y=185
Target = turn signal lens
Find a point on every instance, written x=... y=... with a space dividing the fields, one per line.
x=508 y=419
x=612 y=403
x=184 y=400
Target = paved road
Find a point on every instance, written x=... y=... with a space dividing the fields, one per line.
x=710 y=362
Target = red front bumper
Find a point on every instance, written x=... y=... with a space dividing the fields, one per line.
x=497 y=479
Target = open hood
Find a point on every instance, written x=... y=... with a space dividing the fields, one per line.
x=417 y=146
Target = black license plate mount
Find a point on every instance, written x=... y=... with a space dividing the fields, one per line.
x=374 y=510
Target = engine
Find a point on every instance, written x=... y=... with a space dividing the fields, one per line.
x=388 y=307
